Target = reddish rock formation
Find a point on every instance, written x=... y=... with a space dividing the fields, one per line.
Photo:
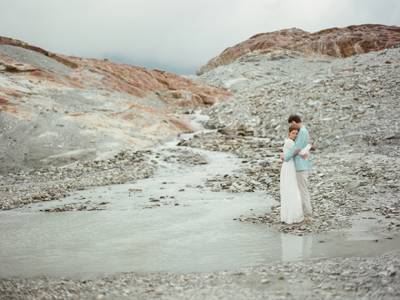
x=129 y=79
x=336 y=42
x=140 y=82
x=18 y=43
x=56 y=109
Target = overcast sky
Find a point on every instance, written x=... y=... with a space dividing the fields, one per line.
x=174 y=35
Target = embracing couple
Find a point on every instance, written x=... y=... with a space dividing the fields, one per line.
x=295 y=198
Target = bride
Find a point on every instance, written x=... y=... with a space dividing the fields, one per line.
x=291 y=205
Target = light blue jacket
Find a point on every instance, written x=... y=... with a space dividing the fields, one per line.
x=300 y=143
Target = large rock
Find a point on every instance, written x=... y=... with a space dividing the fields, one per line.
x=336 y=42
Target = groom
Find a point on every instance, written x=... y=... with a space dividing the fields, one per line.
x=302 y=164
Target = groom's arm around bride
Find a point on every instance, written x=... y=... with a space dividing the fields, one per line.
x=300 y=143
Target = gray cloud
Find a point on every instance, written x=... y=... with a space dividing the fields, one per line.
x=176 y=35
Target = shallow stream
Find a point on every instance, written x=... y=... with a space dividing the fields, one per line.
x=169 y=222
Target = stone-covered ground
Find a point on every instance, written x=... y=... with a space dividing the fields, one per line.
x=341 y=278
x=350 y=107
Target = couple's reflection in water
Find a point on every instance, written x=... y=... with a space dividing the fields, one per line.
x=294 y=247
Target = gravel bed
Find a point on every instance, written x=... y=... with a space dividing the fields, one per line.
x=338 y=278
x=53 y=183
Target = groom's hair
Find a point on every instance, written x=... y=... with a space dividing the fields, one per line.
x=295 y=118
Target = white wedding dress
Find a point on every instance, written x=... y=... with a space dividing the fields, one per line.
x=291 y=206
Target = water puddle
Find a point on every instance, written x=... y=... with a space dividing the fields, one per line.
x=170 y=222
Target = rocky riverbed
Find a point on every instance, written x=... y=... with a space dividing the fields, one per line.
x=18 y=189
x=344 y=278
x=350 y=107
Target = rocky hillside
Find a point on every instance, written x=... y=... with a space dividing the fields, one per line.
x=336 y=42
x=56 y=109
x=351 y=108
